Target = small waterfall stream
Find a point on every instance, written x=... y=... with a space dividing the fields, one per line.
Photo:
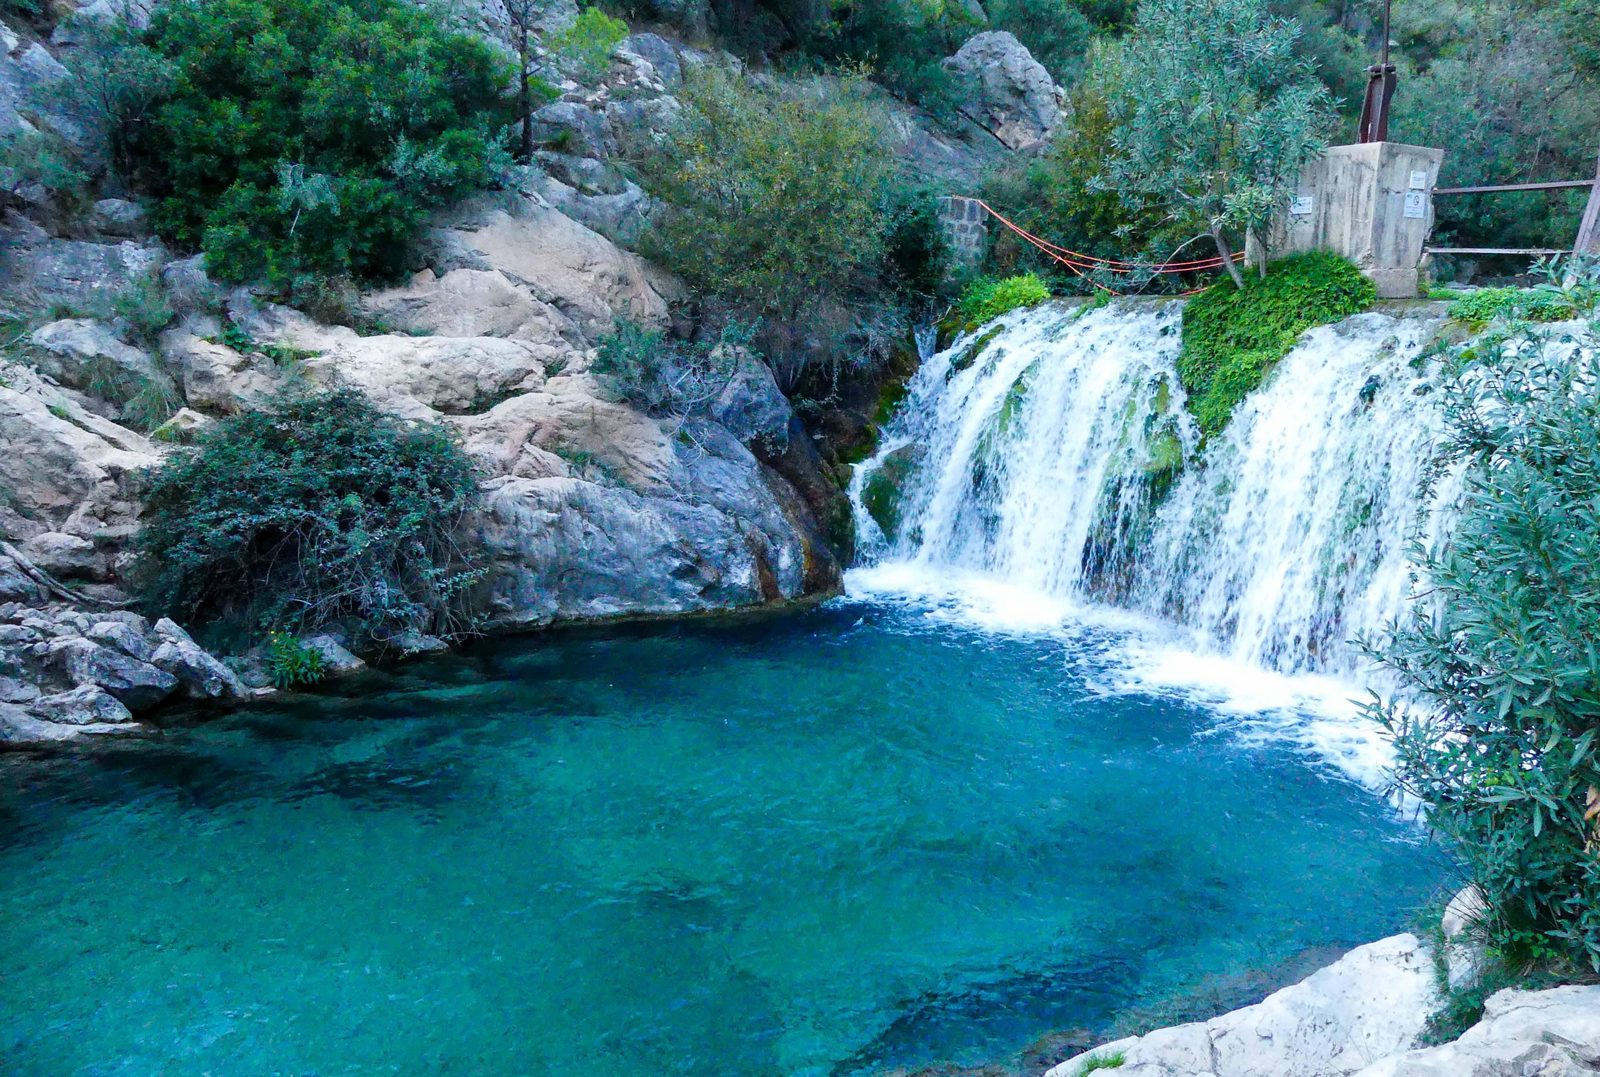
x=1057 y=455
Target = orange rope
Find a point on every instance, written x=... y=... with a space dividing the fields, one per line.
x=1082 y=264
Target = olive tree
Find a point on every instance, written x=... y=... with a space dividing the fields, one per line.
x=1498 y=726
x=1223 y=115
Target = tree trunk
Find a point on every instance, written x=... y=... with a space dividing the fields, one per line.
x=1255 y=251
x=524 y=97
x=1227 y=255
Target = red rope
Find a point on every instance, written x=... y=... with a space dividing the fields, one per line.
x=1078 y=262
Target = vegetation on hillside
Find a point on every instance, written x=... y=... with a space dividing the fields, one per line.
x=300 y=138
x=317 y=509
x=1233 y=337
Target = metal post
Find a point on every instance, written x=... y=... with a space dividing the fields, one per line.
x=1381 y=79
x=1588 y=241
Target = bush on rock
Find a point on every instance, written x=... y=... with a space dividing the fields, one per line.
x=1233 y=337
x=315 y=510
x=310 y=137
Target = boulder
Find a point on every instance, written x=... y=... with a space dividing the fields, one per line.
x=470 y=303
x=336 y=658
x=557 y=260
x=66 y=469
x=661 y=54
x=84 y=353
x=214 y=376
x=751 y=406
x=46 y=270
x=1004 y=89
x=569 y=127
x=202 y=676
x=1370 y=1004
x=87 y=704
x=136 y=684
x=635 y=125
x=182 y=427
x=66 y=556
x=1554 y=1033
x=118 y=217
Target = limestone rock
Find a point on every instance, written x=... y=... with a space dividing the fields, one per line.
x=559 y=261
x=215 y=377
x=70 y=350
x=87 y=704
x=662 y=55
x=470 y=303
x=1370 y=1004
x=1554 y=1033
x=46 y=270
x=571 y=128
x=1005 y=90
x=336 y=658
x=182 y=427
x=202 y=676
x=118 y=217
x=66 y=556
x=136 y=684
x=65 y=469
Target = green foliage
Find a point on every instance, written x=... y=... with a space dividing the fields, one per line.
x=1056 y=32
x=663 y=376
x=1223 y=114
x=291 y=663
x=1096 y=1063
x=143 y=306
x=1483 y=305
x=902 y=42
x=777 y=200
x=44 y=159
x=985 y=299
x=1497 y=721
x=1233 y=337
x=312 y=136
x=316 y=509
x=586 y=46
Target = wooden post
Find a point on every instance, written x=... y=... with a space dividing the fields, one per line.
x=1588 y=241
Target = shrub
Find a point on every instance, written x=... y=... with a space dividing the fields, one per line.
x=44 y=159
x=661 y=376
x=1497 y=724
x=586 y=46
x=291 y=663
x=318 y=508
x=985 y=300
x=312 y=136
x=1233 y=337
x=1484 y=305
x=776 y=201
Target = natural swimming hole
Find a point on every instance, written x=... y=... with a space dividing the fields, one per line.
x=839 y=841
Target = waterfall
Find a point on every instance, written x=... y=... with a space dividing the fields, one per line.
x=1054 y=453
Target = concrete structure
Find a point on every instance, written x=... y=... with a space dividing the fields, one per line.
x=1372 y=203
x=965 y=225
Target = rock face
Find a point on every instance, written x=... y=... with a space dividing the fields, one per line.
x=1553 y=1033
x=1005 y=90
x=67 y=673
x=1370 y=1004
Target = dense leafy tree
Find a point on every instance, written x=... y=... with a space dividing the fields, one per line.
x=312 y=136
x=1223 y=114
x=1499 y=731
x=316 y=509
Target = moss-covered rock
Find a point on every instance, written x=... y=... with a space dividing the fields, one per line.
x=883 y=493
x=1233 y=337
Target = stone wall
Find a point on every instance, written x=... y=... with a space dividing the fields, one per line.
x=1372 y=203
x=965 y=225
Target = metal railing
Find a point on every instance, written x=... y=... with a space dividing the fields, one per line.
x=1588 y=238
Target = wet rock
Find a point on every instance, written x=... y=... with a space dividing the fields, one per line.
x=413 y=643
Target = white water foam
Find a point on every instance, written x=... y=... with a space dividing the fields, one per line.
x=1036 y=495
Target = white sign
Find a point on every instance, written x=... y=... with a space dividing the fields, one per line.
x=1301 y=207
x=1416 y=204
x=1419 y=181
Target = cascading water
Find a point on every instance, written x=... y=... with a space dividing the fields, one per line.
x=1057 y=455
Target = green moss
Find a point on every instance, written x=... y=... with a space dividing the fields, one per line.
x=985 y=299
x=882 y=495
x=1484 y=305
x=970 y=353
x=1233 y=337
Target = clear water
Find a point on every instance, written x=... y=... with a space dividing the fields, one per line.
x=859 y=838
